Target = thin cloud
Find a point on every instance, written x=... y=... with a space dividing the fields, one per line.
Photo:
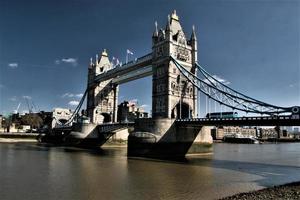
x=71 y=95
x=79 y=95
x=71 y=61
x=27 y=97
x=219 y=79
x=13 y=65
x=133 y=101
x=25 y=111
x=144 y=105
x=13 y=99
x=1 y=86
x=291 y=85
x=73 y=103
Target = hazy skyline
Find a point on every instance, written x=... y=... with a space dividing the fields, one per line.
x=45 y=46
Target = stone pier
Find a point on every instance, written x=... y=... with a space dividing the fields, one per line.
x=164 y=139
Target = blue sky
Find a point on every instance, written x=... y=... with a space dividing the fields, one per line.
x=45 y=46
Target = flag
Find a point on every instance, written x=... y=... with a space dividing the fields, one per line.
x=129 y=52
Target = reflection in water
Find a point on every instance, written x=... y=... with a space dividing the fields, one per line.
x=45 y=172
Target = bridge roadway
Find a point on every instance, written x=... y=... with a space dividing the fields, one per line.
x=133 y=70
x=237 y=121
x=242 y=121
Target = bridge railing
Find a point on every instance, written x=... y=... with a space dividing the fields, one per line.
x=108 y=127
x=236 y=118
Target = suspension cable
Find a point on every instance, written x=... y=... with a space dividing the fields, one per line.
x=249 y=109
x=233 y=97
x=77 y=108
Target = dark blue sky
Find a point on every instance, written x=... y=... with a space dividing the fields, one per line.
x=255 y=45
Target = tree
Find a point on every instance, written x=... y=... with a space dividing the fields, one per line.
x=6 y=123
x=32 y=119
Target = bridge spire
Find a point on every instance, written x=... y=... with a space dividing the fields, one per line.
x=155 y=33
x=175 y=16
x=193 y=36
x=168 y=24
x=97 y=60
x=104 y=53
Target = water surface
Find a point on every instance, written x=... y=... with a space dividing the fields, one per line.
x=30 y=171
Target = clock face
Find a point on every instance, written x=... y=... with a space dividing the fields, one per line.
x=182 y=53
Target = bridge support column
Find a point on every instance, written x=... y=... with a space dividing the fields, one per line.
x=203 y=142
x=164 y=139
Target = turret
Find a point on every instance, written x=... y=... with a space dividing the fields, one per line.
x=193 y=42
x=168 y=29
x=193 y=36
x=155 y=34
x=91 y=72
x=97 y=60
x=174 y=23
x=103 y=64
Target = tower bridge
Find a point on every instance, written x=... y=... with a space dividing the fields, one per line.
x=177 y=79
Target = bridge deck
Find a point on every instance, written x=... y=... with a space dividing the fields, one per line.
x=241 y=121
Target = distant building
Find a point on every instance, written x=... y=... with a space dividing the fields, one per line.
x=129 y=111
x=60 y=116
x=1 y=118
x=268 y=133
x=220 y=132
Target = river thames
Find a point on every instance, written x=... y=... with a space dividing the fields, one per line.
x=31 y=171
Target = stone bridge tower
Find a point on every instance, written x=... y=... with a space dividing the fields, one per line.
x=172 y=95
x=102 y=97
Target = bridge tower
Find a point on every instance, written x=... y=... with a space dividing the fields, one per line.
x=102 y=97
x=172 y=95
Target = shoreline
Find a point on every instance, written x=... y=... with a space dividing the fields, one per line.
x=17 y=140
x=18 y=137
x=285 y=191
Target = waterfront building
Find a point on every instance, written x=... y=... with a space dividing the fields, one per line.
x=220 y=132
x=1 y=118
x=60 y=116
x=129 y=111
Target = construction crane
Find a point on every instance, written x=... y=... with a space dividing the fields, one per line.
x=29 y=107
x=17 y=110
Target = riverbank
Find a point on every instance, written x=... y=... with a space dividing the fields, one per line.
x=16 y=140
x=270 y=140
x=287 y=191
x=18 y=137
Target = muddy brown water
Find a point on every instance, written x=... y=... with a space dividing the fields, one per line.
x=31 y=171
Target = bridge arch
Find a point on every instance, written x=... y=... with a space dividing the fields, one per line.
x=106 y=117
x=181 y=110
